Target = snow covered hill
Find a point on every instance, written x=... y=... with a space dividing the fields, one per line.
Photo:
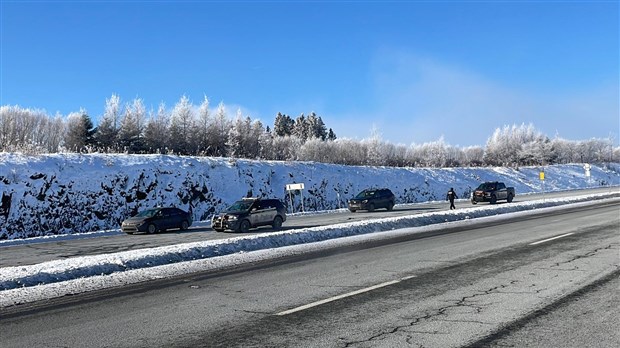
x=72 y=193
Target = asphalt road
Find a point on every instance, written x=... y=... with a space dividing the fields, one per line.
x=27 y=254
x=480 y=284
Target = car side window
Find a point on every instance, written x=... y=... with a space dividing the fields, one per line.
x=501 y=186
x=256 y=206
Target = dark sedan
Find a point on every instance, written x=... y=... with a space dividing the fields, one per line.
x=157 y=220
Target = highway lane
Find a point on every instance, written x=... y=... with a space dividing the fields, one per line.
x=27 y=254
x=448 y=290
x=586 y=318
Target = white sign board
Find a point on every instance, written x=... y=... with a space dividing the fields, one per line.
x=587 y=168
x=293 y=187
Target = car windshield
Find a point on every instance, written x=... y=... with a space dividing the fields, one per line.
x=147 y=213
x=486 y=186
x=240 y=206
x=365 y=194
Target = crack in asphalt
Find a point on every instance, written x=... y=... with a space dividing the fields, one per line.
x=469 y=302
x=465 y=301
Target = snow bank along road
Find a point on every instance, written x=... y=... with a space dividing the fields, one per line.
x=20 y=284
x=399 y=288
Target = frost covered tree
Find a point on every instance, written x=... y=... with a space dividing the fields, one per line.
x=156 y=131
x=374 y=145
x=182 y=122
x=473 y=156
x=283 y=125
x=106 y=135
x=331 y=135
x=79 y=131
x=503 y=146
x=285 y=148
x=52 y=134
x=265 y=143
x=237 y=136
x=202 y=127
x=300 y=129
x=252 y=143
x=130 y=132
x=217 y=133
x=315 y=127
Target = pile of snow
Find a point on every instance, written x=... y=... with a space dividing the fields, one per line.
x=61 y=277
x=61 y=194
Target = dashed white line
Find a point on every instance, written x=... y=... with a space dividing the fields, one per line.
x=349 y=294
x=552 y=238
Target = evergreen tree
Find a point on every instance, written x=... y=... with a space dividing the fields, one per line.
x=218 y=133
x=106 y=136
x=331 y=136
x=315 y=127
x=300 y=130
x=79 y=131
x=130 y=133
x=283 y=125
x=156 y=131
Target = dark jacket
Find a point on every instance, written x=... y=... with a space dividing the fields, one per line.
x=451 y=195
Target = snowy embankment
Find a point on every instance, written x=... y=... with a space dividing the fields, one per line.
x=22 y=284
x=64 y=194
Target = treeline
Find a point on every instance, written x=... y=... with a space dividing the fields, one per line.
x=200 y=130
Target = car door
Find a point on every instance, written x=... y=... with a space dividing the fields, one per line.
x=502 y=193
x=166 y=220
x=255 y=213
x=383 y=199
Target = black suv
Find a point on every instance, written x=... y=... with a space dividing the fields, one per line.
x=371 y=199
x=250 y=212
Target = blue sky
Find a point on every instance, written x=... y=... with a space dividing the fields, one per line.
x=415 y=70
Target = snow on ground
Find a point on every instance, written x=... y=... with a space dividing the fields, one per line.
x=65 y=194
x=23 y=284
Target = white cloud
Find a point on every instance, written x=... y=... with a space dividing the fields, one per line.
x=419 y=99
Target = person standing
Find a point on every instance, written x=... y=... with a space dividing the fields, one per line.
x=451 y=196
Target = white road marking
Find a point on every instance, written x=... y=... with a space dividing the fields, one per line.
x=349 y=294
x=552 y=238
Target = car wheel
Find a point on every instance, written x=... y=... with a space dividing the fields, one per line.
x=184 y=225
x=390 y=206
x=371 y=207
x=474 y=202
x=352 y=210
x=219 y=229
x=509 y=199
x=493 y=199
x=277 y=223
x=129 y=232
x=151 y=229
x=244 y=226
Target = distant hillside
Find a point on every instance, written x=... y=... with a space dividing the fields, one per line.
x=70 y=193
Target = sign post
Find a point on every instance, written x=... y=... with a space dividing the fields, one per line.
x=541 y=176
x=294 y=187
x=587 y=168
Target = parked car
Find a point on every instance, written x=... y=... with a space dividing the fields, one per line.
x=157 y=220
x=492 y=191
x=371 y=199
x=250 y=212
